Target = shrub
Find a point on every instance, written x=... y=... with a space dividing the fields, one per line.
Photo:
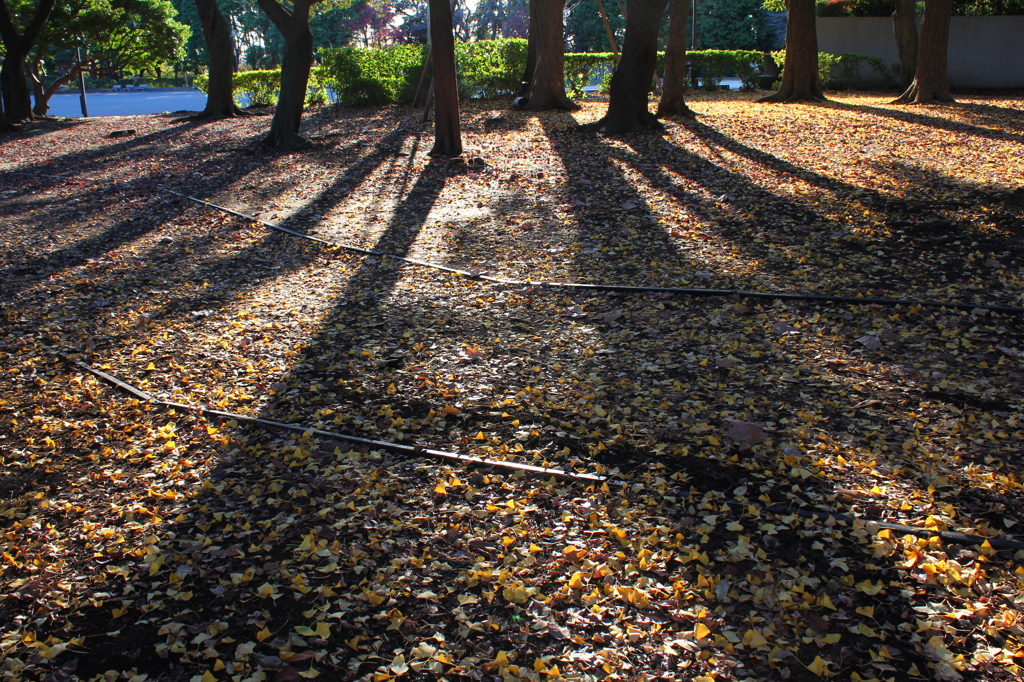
x=261 y=88
x=842 y=69
x=714 y=65
x=490 y=68
x=373 y=76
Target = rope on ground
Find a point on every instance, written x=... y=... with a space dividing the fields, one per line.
x=947 y=536
x=560 y=474
x=617 y=288
x=409 y=450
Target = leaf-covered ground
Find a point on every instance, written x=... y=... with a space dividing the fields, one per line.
x=145 y=543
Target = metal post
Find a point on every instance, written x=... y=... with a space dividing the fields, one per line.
x=81 y=83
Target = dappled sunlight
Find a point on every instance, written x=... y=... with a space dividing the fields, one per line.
x=150 y=536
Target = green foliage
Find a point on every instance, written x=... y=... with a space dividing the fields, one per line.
x=373 y=76
x=714 y=65
x=884 y=8
x=489 y=68
x=731 y=25
x=582 y=67
x=486 y=68
x=836 y=70
x=261 y=88
x=585 y=29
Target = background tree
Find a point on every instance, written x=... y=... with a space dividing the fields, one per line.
x=731 y=25
x=631 y=82
x=547 y=29
x=195 y=46
x=585 y=29
x=293 y=23
x=904 y=25
x=500 y=19
x=673 y=90
x=19 y=32
x=931 y=79
x=374 y=25
x=117 y=35
x=447 y=128
x=220 y=46
x=800 y=82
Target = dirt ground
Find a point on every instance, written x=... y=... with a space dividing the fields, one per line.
x=142 y=542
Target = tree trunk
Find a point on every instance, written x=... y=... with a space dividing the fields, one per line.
x=547 y=90
x=447 y=129
x=631 y=82
x=800 y=82
x=43 y=94
x=904 y=27
x=5 y=125
x=220 y=95
x=531 y=45
x=13 y=87
x=931 y=80
x=608 y=31
x=40 y=100
x=293 y=24
x=673 y=90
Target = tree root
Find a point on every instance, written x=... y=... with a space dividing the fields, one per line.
x=779 y=97
x=676 y=109
x=286 y=140
x=915 y=94
x=617 y=125
x=209 y=115
x=551 y=103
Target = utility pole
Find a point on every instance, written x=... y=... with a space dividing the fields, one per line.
x=81 y=83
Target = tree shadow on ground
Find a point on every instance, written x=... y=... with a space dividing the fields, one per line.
x=982 y=120
x=280 y=534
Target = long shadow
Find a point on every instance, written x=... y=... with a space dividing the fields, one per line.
x=695 y=461
x=917 y=215
x=984 y=114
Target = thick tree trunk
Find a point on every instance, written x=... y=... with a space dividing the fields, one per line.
x=220 y=95
x=13 y=86
x=17 y=97
x=904 y=28
x=800 y=82
x=931 y=80
x=548 y=28
x=631 y=82
x=673 y=90
x=5 y=125
x=293 y=24
x=447 y=128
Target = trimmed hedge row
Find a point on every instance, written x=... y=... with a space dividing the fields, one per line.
x=490 y=68
x=836 y=70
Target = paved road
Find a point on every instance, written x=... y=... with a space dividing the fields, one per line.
x=106 y=103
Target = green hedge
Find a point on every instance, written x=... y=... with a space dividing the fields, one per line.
x=361 y=76
x=487 y=68
x=836 y=70
x=261 y=88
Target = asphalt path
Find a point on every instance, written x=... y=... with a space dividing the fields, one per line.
x=106 y=103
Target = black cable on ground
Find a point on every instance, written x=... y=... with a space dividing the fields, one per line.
x=956 y=538
x=561 y=474
x=409 y=450
x=620 y=288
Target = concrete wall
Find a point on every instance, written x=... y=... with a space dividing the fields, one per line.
x=984 y=52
